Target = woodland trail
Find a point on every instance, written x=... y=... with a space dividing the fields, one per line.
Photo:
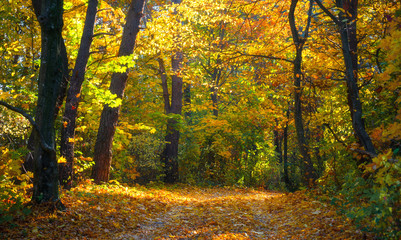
x=183 y=212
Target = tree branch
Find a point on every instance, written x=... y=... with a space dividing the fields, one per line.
x=334 y=134
x=265 y=56
x=101 y=34
x=45 y=146
x=336 y=20
x=360 y=151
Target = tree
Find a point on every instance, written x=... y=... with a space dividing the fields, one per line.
x=299 y=42
x=73 y=96
x=170 y=153
x=109 y=117
x=50 y=16
x=346 y=23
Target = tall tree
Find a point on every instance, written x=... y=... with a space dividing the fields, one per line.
x=299 y=42
x=73 y=96
x=346 y=23
x=50 y=17
x=29 y=161
x=173 y=106
x=109 y=117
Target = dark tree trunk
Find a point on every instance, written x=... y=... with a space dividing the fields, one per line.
x=277 y=143
x=50 y=17
x=28 y=164
x=187 y=102
x=109 y=117
x=170 y=153
x=215 y=88
x=172 y=106
x=285 y=155
x=349 y=48
x=73 y=97
x=216 y=80
x=347 y=29
x=215 y=101
x=310 y=173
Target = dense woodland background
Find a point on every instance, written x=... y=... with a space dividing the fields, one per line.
x=282 y=95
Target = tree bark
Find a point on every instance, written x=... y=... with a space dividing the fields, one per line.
x=347 y=29
x=29 y=161
x=277 y=142
x=50 y=17
x=173 y=106
x=310 y=173
x=170 y=152
x=215 y=77
x=73 y=96
x=109 y=116
x=349 y=48
x=287 y=181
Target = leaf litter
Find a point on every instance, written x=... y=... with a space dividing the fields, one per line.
x=182 y=212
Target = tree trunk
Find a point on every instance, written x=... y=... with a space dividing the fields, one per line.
x=50 y=17
x=109 y=117
x=285 y=155
x=73 y=96
x=310 y=173
x=277 y=142
x=349 y=48
x=347 y=29
x=28 y=164
x=215 y=77
x=170 y=153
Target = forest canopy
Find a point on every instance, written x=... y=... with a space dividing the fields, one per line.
x=282 y=95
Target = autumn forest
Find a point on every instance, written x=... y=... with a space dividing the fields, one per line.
x=221 y=119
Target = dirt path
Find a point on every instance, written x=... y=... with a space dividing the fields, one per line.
x=184 y=213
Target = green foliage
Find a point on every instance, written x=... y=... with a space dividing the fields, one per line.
x=139 y=160
x=119 y=65
x=372 y=197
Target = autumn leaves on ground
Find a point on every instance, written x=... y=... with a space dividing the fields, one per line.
x=182 y=212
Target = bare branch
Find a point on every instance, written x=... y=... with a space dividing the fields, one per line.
x=45 y=146
x=101 y=34
x=336 y=20
x=335 y=135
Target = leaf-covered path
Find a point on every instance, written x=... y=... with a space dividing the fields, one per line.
x=105 y=212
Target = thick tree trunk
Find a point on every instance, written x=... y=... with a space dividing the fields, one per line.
x=73 y=97
x=170 y=153
x=309 y=170
x=109 y=117
x=172 y=106
x=28 y=164
x=50 y=17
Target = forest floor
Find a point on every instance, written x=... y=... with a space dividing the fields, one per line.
x=182 y=212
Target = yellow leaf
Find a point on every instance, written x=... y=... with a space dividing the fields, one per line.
x=62 y=160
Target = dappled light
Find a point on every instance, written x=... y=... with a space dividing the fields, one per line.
x=176 y=212
x=195 y=119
